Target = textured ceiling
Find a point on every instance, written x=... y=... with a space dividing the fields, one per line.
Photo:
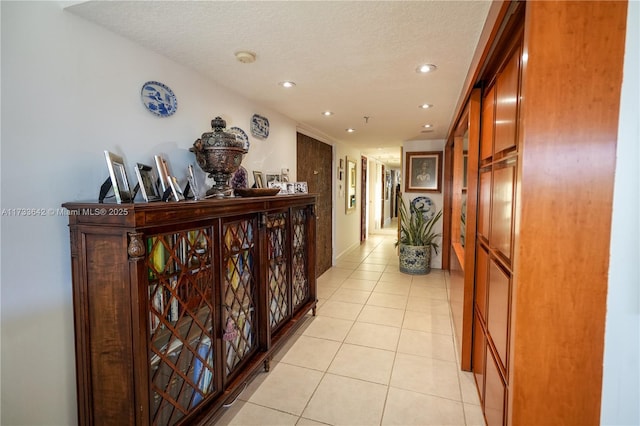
x=355 y=58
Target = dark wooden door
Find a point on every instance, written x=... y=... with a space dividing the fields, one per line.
x=314 y=167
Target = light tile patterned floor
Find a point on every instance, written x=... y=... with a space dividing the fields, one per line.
x=379 y=352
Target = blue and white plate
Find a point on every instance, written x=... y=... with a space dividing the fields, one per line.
x=259 y=126
x=426 y=205
x=240 y=135
x=159 y=98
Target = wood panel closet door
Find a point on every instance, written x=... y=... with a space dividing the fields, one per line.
x=314 y=160
x=506 y=110
x=495 y=236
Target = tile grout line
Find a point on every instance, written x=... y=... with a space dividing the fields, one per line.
x=342 y=343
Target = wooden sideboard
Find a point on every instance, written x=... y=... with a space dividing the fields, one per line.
x=177 y=305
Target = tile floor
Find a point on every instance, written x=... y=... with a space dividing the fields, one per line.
x=379 y=352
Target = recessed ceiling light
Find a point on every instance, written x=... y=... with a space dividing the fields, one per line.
x=425 y=68
x=350 y=130
x=287 y=84
x=425 y=106
x=427 y=126
x=327 y=113
x=245 y=56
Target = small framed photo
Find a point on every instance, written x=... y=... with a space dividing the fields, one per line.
x=301 y=187
x=259 y=179
x=272 y=177
x=193 y=183
x=178 y=195
x=118 y=175
x=423 y=171
x=280 y=185
x=163 y=173
x=147 y=181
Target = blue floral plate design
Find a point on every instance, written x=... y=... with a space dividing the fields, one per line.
x=159 y=99
x=240 y=135
x=426 y=205
x=259 y=126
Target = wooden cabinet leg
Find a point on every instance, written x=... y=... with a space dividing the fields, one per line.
x=267 y=364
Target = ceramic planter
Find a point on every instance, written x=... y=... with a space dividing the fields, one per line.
x=415 y=260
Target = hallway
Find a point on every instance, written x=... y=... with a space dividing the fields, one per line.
x=379 y=352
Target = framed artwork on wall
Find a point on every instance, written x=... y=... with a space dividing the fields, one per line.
x=350 y=193
x=423 y=171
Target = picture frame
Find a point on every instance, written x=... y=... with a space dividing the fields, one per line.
x=258 y=179
x=351 y=186
x=282 y=186
x=118 y=176
x=193 y=183
x=301 y=187
x=176 y=191
x=272 y=177
x=148 y=183
x=163 y=173
x=423 y=171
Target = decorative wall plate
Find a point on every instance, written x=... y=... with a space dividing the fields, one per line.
x=240 y=135
x=259 y=126
x=159 y=98
x=425 y=204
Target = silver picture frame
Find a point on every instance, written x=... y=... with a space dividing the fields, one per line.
x=118 y=176
x=163 y=173
x=178 y=195
x=148 y=183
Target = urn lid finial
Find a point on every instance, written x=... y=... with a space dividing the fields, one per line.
x=219 y=138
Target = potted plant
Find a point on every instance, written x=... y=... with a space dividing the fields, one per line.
x=417 y=239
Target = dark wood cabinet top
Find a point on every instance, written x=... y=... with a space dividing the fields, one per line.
x=140 y=215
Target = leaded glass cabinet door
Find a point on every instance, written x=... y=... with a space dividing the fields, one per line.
x=300 y=255
x=239 y=245
x=277 y=258
x=182 y=361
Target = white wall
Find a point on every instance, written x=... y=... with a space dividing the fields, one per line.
x=437 y=198
x=69 y=91
x=621 y=378
x=346 y=226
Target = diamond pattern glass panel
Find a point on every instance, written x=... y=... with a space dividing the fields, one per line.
x=299 y=258
x=181 y=356
x=277 y=256
x=239 y=291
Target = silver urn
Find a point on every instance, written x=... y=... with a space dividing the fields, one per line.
x=219 y=153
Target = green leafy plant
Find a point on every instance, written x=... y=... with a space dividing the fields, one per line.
x=415 y=230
